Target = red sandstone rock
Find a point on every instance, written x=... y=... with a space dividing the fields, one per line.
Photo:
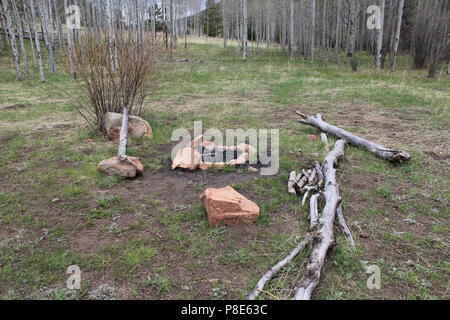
x=229 y=207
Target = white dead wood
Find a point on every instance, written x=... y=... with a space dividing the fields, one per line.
x=382 y=152
x=276 y=268
x=343 y=226
x=314 y=210
x=324 y=238
x=324 y=139
x=291 y=182
x=319 y=174
x=123 y=137
x=305 y=196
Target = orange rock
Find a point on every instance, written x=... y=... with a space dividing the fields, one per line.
x=227 y=206
x=187 y=158
x=216 y=165
x=246 y=148
x=242 y=159
x=137 y=127
x=200 y=141
x=128 y=169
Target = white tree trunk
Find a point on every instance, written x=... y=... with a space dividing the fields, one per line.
x=32 y=35
x=397 y=34
x=37 y=42
x=111 y=34
x=291 y=28
x=244 y=30
x=12 y=36
x=337 y=44
x=313 y=27
x=380 y=36
x=20 y=31
x=43 y=13
x=70 y=46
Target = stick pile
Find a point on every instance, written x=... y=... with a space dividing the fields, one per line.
x=320 y=181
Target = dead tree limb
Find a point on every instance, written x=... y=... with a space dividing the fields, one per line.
x=276 y=268
x=380 y=151
x=343 y=226
x=324 y=238
x=122 y=152
x=291 y=182
x=314 y=210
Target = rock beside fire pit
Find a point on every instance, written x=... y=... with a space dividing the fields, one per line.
x=187 y=158
x=128 y=168
x=229 y=207
x=137 y=127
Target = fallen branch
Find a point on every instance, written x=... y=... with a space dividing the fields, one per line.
x=291 y=182
x=324 y=238
x=276 y=268
x=380 y=151
x=314 y=210
x=343 y=226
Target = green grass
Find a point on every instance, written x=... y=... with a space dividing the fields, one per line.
x=56 y=209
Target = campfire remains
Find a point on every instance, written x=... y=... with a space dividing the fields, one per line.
x=203 y=154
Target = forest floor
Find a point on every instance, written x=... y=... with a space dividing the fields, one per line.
x=148 y=238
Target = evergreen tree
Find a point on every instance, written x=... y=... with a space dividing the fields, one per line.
x=212 y=19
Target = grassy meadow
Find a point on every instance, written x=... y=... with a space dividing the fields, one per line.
x=148 y=238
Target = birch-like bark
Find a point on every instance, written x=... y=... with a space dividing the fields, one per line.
x=58 y=26
x=70 y=46
x=18 y=21
x=337 y=44
x=12 y=36
x=397 y=34
x=43 y=13
x=324 y=23
x=111 y=34
x=31 y=31
x=352 y=29
x=380 y=36
x=37 y=42
x=313 y=27
x=244 y=30
x=291 y=28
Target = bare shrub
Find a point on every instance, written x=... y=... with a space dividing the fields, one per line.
x=113 y=77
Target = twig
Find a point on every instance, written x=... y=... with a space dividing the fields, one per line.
x=276 y=268
x=343 y=226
